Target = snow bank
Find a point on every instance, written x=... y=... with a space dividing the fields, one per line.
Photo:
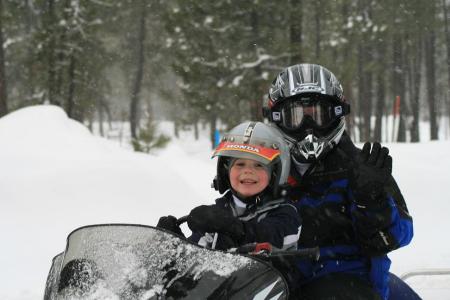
x=46 y=131
x=55 y=176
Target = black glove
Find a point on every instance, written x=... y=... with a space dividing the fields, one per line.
x=212 y=218
x=170 y=223
x=371 y=172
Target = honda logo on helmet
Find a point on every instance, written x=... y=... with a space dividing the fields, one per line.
x=243 y=147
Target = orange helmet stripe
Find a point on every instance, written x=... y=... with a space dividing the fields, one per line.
x=264 y=152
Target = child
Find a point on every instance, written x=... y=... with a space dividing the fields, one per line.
x=252 y=168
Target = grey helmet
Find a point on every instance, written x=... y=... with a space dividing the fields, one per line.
x=258 y=141
x=306 y=101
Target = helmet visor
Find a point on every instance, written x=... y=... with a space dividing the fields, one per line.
x=321 y=111
x=264 y=154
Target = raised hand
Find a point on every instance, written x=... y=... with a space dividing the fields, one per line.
x=372 y=170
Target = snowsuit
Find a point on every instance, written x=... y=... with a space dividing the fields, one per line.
x=352 y=240
x=276 y=222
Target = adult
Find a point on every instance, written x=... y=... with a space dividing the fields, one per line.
x=350 y=205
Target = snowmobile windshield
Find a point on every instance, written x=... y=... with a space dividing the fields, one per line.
x=141 y=262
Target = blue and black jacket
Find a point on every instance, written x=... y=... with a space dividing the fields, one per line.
x=352 y=239
x=273 y=221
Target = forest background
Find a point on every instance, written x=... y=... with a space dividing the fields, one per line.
x=210 y=63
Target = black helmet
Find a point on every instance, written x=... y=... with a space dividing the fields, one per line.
x=258 y=141
x=306 y=101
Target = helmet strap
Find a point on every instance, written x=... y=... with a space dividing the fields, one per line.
x=255 y=199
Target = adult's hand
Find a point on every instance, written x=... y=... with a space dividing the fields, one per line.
x=372 y=170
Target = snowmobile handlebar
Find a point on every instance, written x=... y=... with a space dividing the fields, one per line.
x=309 y=253
x=266 y=249
x=182 y=220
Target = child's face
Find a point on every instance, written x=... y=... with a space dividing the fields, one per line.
x=248 y=177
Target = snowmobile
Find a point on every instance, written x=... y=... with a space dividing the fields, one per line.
x=127 y=261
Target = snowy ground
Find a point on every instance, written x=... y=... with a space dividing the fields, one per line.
x=55 y=176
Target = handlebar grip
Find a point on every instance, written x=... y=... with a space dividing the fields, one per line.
x=310 y=253
x=182 y=220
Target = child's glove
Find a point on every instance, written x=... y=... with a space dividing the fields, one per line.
x=212 y=218
x=224 y=242
x=170 y=223
x=373 y=169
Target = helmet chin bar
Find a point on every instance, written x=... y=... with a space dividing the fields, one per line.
x=311 y=147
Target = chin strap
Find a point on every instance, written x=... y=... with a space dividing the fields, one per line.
x=256 y=199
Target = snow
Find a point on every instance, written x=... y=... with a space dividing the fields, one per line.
x=123 y=260
x=208 y=20
x=237 y=80
x=56 y=176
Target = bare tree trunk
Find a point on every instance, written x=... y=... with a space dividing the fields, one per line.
x=196 y=132
x=176 y=129
x=318 y=14
x=30 y=23
x=368 y=95
x=365 y=78
x=447 y=42
x=347 y=82
x=91 y=123
x=381 y=98
x=398 y=83
x=213 y=128
x=357 y=107
x=401 y=135
x=350 y=119
x=3 y=93
x=72 y=109
x=100 y=113
x=135 y=94
x=295 y=31
x=415 y=63
x=430 y=61
x=105 y=107
x=59 y=72
x=50 y=27
x=381 y=92
x=256 y=101
x=364 y=93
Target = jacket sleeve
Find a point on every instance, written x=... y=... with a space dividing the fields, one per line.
x=280 y=227
x=383 y=227
x=195 y=237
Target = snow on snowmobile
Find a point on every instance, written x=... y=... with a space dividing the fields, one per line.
x=138 y=262
x=122 y=261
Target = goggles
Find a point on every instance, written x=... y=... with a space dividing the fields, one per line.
x=291 y=113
